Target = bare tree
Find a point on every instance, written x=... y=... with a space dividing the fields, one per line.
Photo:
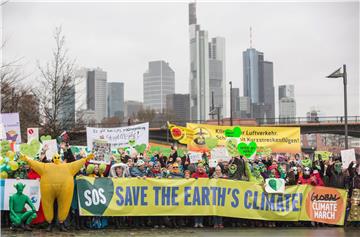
x=111 y=122
x=146 y=115
x=56 y=92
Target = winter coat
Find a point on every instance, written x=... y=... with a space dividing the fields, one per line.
x=335 y=180
x=136 y=172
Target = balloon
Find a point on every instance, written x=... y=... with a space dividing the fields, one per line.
x=3 y=175
x=6 y=160
x=10 y=155
x=2 y=167
x=1 y=160
x=7 y=168
x=13 y=165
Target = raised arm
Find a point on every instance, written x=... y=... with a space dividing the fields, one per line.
x=76 y=165
x=39 y=167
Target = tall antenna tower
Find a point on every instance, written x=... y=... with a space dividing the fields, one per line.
x=250 y=37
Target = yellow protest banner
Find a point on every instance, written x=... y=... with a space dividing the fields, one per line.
x=192 y=197
x=181 y=134
x=278 y=139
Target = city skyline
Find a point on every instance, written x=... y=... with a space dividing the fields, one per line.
x=312 y=26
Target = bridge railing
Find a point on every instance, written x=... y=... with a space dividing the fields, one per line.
x=304 y=120
x=268 y=121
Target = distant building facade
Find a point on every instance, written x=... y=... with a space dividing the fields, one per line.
x=159 y=81
x=178 y=105
x=115 y=99
x=132 y=108
x=207 y=70
x=97 y=93
x=287 y=104
x=259 y=85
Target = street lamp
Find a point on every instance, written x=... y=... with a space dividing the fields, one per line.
x=338 y=74
x=231 y=105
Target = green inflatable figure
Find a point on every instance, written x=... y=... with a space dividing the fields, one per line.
x=18 y=215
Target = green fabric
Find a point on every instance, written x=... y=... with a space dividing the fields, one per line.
x=17 y=204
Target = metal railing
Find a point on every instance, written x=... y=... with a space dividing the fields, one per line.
x=307 y=120
x=268 y=121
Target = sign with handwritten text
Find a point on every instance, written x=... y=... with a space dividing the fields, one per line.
x=120 y=136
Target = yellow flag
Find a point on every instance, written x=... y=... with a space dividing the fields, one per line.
x=181 y=134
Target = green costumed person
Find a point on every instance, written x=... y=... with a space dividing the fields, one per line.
x=17 y=202
x=255 y=175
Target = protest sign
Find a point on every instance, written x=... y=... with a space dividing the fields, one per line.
x=208 y=197
x=195 y=157
x=11 y=124
x=119 y=136
x=50 y=146
x=213 y=163
x=325 y=155
x=32 y=134
x=102 y=151
x=347 y=156
x=278 y=139
x=32 y=190
x=220 y=154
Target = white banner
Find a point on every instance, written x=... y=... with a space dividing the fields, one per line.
x=195 y=157
x=11 y=123
x=32 y=190
x=32 y=133
x=120 y=136
x=347 y=156
x=220 y=154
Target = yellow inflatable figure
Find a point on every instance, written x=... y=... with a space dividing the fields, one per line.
x=57 y=182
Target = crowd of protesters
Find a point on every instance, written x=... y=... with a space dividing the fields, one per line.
x=296 y=169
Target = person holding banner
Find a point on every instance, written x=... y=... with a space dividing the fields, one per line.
x=200 y=173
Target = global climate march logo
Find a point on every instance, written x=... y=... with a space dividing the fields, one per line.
x=324 y=205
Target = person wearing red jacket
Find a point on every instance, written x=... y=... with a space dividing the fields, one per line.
x=200 y=173
x=312 y=178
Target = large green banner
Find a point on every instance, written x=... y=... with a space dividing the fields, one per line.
x=191 y=197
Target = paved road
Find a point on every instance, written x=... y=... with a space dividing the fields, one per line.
x=190 y=232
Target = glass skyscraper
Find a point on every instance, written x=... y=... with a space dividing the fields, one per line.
x=159 y=81
x=258 y=82
x=207 y=70
x=115 y=99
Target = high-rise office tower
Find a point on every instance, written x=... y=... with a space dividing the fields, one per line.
x=67 y=106
x=159 y=81
x=235 y=102
x=96 y=93
x=259 y=84
x=115 y=99
x=178 y=105
x=199 y=69
x=207 y=71
x=286 y=91
x=217 y=77
x=287 y=104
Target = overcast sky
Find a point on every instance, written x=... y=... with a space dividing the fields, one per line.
x=305 y=41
